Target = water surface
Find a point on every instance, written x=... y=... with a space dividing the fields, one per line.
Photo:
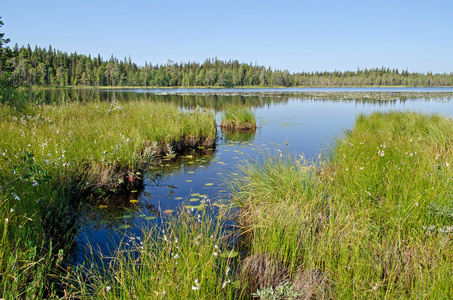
x=289 y=121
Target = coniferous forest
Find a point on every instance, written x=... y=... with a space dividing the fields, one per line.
x=51 y=67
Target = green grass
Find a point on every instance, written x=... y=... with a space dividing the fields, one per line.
x=238 y=118
x=49 y=153
x=186 y=257
x=371 y=223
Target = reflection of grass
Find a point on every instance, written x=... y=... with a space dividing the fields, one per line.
x=237 y=118
x=186 y=260
x=238 y=136
x=370 y=223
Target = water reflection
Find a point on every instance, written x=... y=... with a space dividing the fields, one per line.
x=292 y=122
x=220 y=98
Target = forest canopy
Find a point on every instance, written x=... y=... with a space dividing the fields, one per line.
x=51 y=67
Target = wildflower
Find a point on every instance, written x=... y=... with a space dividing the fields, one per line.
x=165 y=238
x=215 y=254
x=108 y=288
x=11 y=210
x=6 y=220
x=225 y=283
x=447 y=164
x=196 y=286
x=16 y=197
x=35 y=183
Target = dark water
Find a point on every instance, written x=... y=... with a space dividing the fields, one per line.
x=298 y=123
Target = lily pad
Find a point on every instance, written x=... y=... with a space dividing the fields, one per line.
x=134 y=201
x=209 y=184
x=125 y=217
x=230 y=254
x=178 y=198
x=188 y=180
x=103 y=206
x=168 y=211
x=124 y=226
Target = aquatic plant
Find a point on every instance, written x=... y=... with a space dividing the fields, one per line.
x=186 y=256
x=52 y=156
x=237 y=118
x=374 y=221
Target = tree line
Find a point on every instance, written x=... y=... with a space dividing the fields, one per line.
x=22 y=66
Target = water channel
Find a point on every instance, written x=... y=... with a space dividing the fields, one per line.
x=295 y=121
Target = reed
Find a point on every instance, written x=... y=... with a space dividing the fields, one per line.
x=374 y=222
x=238 y=118
x=50 y=154
x=187 y=256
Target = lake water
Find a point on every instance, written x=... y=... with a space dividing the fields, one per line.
x=289 y=120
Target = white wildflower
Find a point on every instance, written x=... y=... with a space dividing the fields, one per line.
x=196 y=286
x=225 y=283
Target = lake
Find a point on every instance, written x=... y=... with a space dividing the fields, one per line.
x=297 y=121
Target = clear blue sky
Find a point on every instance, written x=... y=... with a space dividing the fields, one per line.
x=293 y=35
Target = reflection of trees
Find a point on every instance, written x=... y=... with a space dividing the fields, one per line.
x=218 y=99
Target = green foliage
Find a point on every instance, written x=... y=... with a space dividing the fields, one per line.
x=51 y=67
x=183 y=258
x=45 y=152
x=375 y=219
x=283 y=291
x=238 y=118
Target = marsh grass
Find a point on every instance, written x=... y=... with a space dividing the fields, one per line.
x=238 y=118
x=187 y=257
x=374 y=222
x=51 y=154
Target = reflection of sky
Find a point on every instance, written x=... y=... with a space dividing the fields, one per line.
x=308 y=127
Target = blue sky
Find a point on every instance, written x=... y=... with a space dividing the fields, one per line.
x=293 y=35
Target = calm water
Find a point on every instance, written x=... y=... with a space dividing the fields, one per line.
x=298 y=123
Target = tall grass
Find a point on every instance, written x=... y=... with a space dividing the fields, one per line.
x=374 y=222
x=186 y=257
x=49 y=152
x=238 y=118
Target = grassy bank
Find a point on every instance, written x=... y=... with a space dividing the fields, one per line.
x=373 y=222
x=238 y=119
x=52 y=155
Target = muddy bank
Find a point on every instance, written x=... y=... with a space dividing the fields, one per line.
x=99 y=181
x=230 y=126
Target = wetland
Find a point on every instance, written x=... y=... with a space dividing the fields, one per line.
x=138 y=193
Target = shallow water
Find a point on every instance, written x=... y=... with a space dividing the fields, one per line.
x=295 y=123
